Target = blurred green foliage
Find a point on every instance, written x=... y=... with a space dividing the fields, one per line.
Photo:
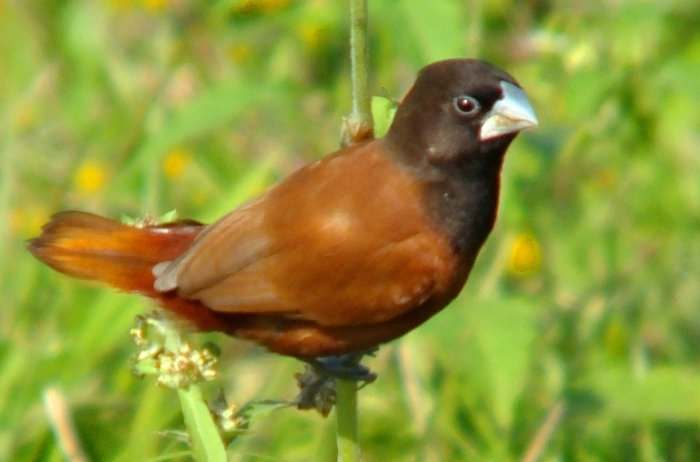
x=584 y=305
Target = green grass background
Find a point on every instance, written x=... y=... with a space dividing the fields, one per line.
x=586 y=298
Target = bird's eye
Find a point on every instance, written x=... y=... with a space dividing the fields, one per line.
x=466 y=105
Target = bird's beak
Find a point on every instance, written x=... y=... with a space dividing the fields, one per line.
x=512 y=113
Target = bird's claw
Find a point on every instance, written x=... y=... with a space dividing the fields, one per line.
x=317 y=382
x=345 y=367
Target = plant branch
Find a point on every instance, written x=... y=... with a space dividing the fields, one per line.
x=359 y=126
x=346 y=413
x=205 y=440
x=356 y=128
x=179 y=366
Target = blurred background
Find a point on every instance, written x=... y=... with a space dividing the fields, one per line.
x=578 y=335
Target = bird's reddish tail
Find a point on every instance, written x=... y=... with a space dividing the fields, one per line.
x=88 y=246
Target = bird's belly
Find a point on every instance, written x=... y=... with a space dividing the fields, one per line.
x=306 y=339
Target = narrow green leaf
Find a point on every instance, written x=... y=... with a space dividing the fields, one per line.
x=206 y=441
x=255 y=409
x=168 y=217
x=383 y=111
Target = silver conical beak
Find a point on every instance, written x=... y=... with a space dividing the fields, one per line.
x=512 y=113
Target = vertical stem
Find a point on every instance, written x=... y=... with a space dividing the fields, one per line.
x=359 y=124
x=346 y=413
x=358 y=127
x=205 y=440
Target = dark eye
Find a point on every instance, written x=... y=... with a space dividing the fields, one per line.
x=466 y=105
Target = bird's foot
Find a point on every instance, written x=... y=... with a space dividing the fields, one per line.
x=345 y=367
x=317 y=382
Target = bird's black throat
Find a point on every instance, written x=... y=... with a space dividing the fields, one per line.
x=463 y=200
x=462 y=193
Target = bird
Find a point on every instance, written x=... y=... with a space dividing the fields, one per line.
x=346 y=253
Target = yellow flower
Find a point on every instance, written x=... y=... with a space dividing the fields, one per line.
x=155 y=5
x=525 y=255
x=175 y=163
x=90 y=177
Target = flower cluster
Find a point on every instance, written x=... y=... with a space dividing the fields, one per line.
x=174 y=362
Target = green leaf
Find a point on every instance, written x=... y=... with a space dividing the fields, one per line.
x=206 y=441
x=383 y=111
x=255 y=409
x=168 y=217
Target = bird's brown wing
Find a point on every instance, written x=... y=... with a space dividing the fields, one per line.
x=344 y=241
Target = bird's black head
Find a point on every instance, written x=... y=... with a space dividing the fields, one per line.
x=459 y=112
x=452 y=129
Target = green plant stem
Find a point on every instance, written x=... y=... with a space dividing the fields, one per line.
x=346 y=414
x=205 y=440
x=358 y=127
x=360 y=121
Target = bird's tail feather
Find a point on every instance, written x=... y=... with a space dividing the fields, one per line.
x=88 y=246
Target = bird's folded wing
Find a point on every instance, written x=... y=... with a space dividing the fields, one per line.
x=369 y=287
x=223 y=248
x=328 y=245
